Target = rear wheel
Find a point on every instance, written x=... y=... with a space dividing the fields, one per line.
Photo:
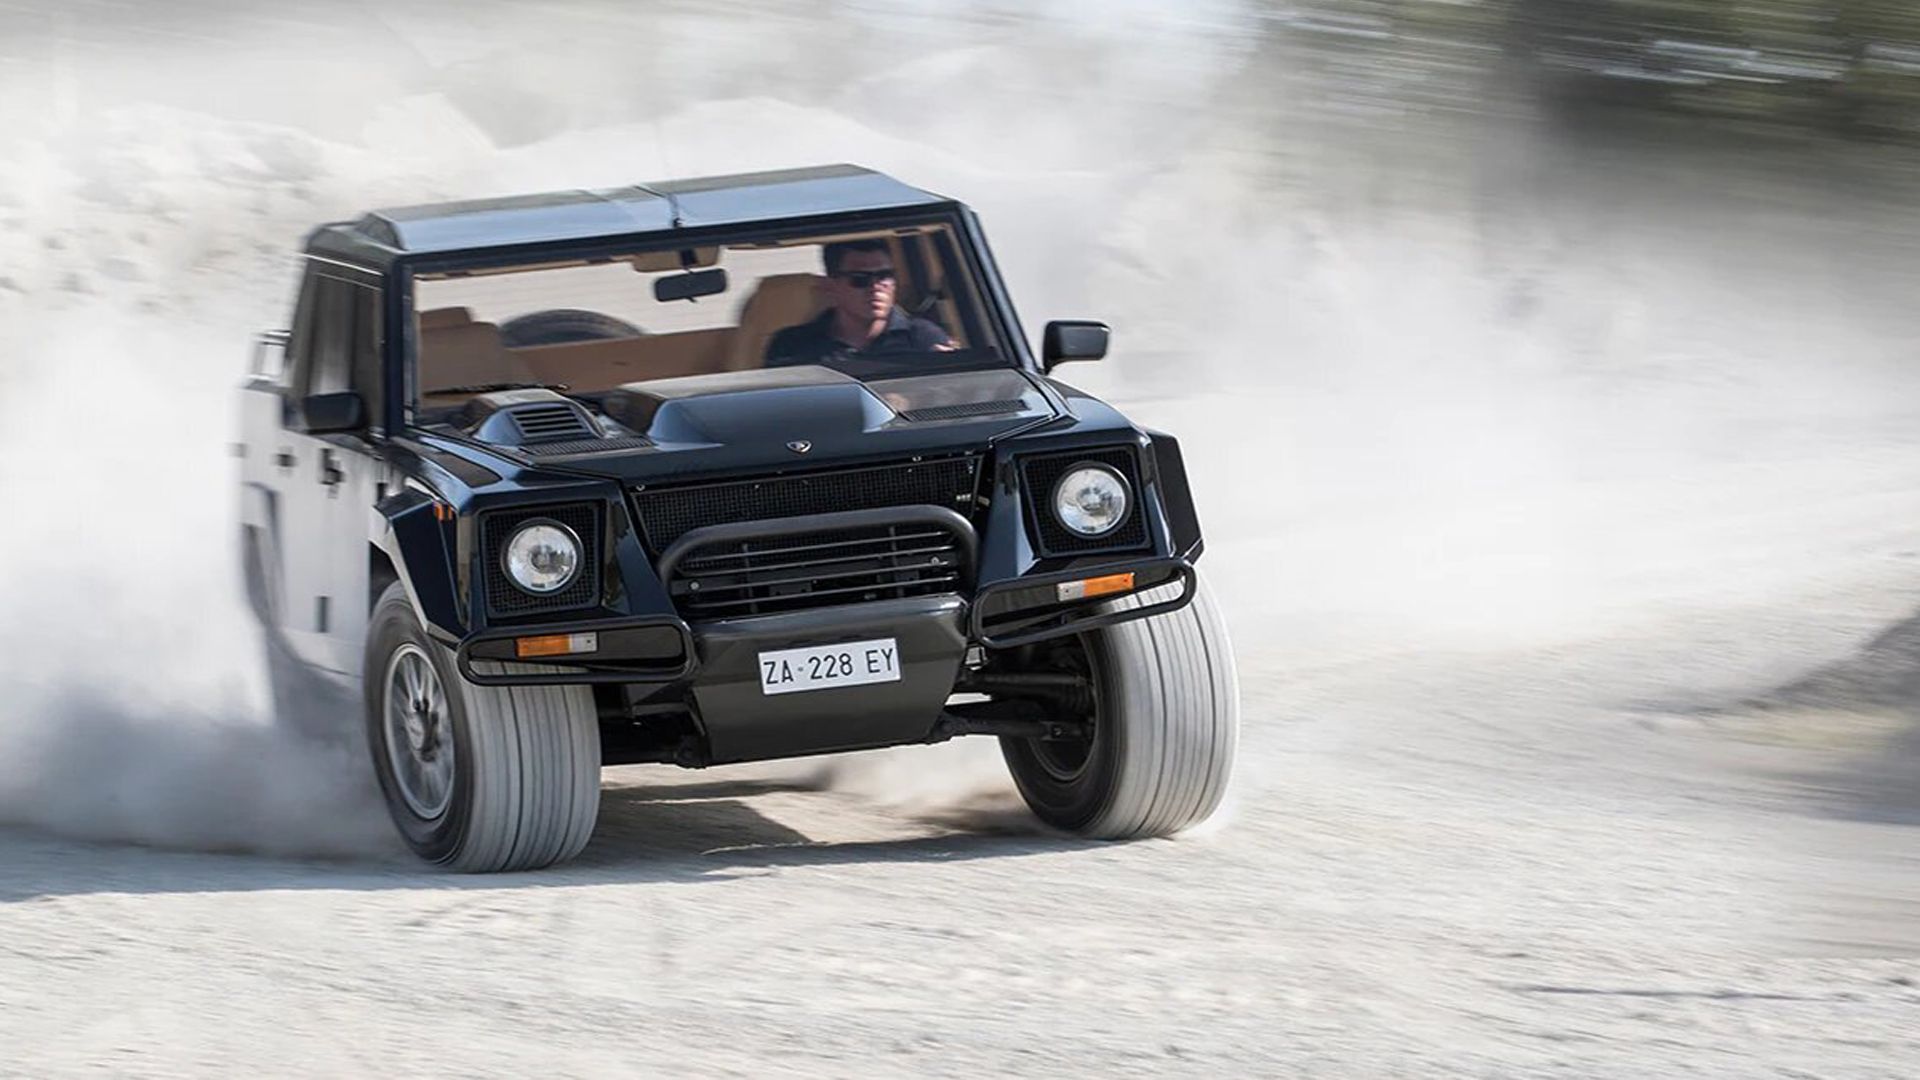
x=1163 y=721
x=476 y=778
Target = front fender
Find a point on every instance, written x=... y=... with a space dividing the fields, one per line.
x=418 y=539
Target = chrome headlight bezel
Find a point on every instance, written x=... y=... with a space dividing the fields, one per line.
x=1120 y=487
x=520 y=531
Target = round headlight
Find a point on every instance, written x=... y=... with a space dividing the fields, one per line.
x=543 y=557
x=1091 y=500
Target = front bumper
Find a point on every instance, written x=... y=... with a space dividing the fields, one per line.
x=743 y=723
x=662 y=649
x=641 y=649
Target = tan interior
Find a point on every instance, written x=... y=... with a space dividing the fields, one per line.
x=781 y=300
x=603 y=365
x=457 y=351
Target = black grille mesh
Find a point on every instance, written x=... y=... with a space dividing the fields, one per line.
x=1042 y=473
x=799 y=571
x=506 y=598
x=964 y=411
x=589 y=446
x=667 y=514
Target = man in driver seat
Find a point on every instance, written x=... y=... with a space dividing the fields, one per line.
x=861 y=316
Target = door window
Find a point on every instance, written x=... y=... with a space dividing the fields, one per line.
x=336 y=342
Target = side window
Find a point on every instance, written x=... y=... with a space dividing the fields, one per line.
x=366 y=352
x=293 y=372
x=329 y=359
x=336 y=342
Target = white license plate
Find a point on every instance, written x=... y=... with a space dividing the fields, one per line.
x=857 y=663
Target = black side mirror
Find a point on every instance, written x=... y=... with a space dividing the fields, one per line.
x=690 y=286
x=322 y=414
x=1073 y=339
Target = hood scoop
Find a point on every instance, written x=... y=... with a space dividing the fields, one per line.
x=740 y=407
x=532 y=419
x=551 y=423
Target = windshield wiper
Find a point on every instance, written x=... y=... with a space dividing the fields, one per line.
x=491 y=387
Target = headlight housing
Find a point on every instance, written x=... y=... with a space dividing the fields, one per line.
x=542 y=557
x=1091 y=500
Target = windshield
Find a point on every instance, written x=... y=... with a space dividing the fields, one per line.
x=869 y=304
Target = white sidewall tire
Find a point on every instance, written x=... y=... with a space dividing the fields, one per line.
x=1167 y=726
x=526 y=789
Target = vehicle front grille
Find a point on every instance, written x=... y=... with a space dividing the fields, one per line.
x=798 y=571
x=669 y=513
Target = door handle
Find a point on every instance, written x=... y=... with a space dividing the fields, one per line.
x=330 y=471
x=284 y=459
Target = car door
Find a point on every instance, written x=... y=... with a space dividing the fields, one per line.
x=324 y=480
x=354 y=476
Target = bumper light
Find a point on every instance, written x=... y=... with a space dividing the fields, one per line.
x=1087 y=588
x=556 y=645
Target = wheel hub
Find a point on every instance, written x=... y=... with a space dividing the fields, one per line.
x=420 y=752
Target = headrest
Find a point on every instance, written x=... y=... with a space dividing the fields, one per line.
x=784 y=299
x=445 y=318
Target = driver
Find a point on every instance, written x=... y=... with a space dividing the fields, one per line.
x=861 y=316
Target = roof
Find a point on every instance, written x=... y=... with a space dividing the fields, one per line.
x=382 y=236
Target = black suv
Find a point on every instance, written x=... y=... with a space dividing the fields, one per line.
x=544 y=479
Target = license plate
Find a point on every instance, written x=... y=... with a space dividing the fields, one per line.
x=857 y=663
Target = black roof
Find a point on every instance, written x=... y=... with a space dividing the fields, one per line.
x=380 y=237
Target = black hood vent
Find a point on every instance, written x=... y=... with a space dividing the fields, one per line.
x=551 y=423
x=970 y=410
x=533 y=417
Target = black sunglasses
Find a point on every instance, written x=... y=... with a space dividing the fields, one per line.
x=861 y=279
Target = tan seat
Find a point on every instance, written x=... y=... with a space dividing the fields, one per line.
x=457 y=351
x=780 y=301
x=603 y=365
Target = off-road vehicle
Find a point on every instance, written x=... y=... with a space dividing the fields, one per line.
x=526 y=476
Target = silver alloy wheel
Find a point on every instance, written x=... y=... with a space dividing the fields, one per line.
x=419 y=730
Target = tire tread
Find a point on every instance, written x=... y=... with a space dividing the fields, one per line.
x=1178 y=715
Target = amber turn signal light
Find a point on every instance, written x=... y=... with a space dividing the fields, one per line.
x=1088 y=588
x=556 y=645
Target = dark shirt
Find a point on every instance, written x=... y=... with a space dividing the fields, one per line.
x=813 y=342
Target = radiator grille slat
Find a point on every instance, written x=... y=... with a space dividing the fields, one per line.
x=799 y=571
x=668 y=513
x=712 y=565
x=759 y=606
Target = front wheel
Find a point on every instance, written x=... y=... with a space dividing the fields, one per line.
x=476 y=778
x=1164 y=720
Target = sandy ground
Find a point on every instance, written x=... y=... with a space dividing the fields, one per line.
x=1563 y=500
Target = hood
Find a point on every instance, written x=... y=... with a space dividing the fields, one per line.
x=780 y=418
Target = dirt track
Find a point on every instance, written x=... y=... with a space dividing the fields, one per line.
x=1557 y=521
